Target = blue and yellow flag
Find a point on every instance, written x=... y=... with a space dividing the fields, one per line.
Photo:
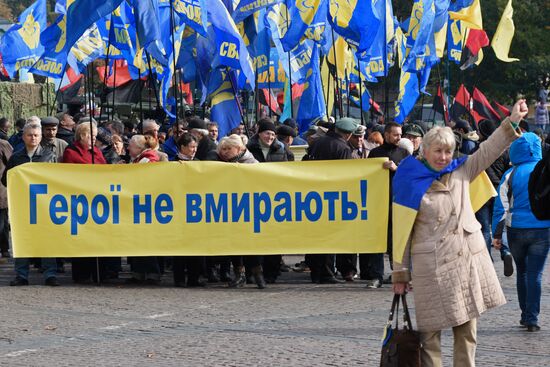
x=225 y=110
x=410 y=183
x=166 y=77
x=455 y=40
x=467 y=11
x=355 y=20
x=231 y=50
x=147 y=26
x=21 y=47
x=186 y=60
x=312 y=103
x=409 y=91
x=88 y=48
x=271 y=73
x=193 y=13
x=59 y=37
x=246 y=8
x=419 y=32
x=307 y=19
x=380 y=56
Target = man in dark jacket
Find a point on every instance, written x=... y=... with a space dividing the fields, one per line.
x=33 y=152
x=49 y=139
x=197 y=127
x=334 y=145
x=65 y=130
x=5 y=153
x=264 y=146
x=372 y=265
x=5 y=125
x=286 y=135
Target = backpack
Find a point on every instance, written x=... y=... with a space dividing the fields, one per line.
x=539 y=189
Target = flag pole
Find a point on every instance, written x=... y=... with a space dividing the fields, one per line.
x=361 y=93
x=269 y=82
x=114 y=88
x=234 y=87
x=385 y=58
x=256 y=91
x=289 y=66
x=140 y=95
x=325 y=95
x=336 y=81
x=107 y=64
x=348 y=88
x=152 y=78
x=175 y=76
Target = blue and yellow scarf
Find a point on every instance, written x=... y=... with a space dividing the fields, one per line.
x=411 y=181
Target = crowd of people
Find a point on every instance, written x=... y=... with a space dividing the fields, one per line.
x=449 y=244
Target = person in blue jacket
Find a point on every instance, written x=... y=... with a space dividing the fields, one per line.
x=529 y=238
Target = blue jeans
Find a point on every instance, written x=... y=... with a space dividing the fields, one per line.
x=485 y=217
x=529 y=248
x=49 y=265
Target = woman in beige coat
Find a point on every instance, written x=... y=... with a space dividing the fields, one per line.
x=446 y=258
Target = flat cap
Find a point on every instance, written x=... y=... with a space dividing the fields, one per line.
x=360 y=131
x=413 y=130
x=285 y=130
x=49 y=121
x=346 y=124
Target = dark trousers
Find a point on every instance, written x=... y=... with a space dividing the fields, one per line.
x=371 y=266
x=321 y=266
x=193 y=266
x=144 y=265
x=85 y=268
x=4 y=231
x=272 y=266
x=346 y=264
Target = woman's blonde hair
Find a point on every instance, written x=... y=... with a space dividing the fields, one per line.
x=83 y=129
x=232 y=140
x=145 y=141
x=438 y=135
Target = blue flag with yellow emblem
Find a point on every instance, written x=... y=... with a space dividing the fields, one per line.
x=355 y=20
x=409 y=91
x=21 y=45
x=420 y=30
x=224 y=108
x=59 y=37
x=312 y=103
x=246 y=8
x=193 y=12
x=307 y=19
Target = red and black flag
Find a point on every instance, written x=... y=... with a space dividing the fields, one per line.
x=476 y=39
x=267 y=98
x=440 y=105
x=482 y=109
x=501 y=110
x=461 y=104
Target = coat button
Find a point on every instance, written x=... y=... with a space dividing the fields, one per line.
x=460 y=253
x=453 y=212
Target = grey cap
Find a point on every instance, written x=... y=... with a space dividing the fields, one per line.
x=346 y=124
x=360 y=131
x=49 y=121
x=413 y=130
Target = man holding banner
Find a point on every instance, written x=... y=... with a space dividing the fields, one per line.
x=334 y=145
x=33 y=152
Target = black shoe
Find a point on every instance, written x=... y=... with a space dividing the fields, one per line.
x=522 y=323
x=17 y=282
x=6 y=254
x=225 y=277
x=259 y=280
x=250 y=279
x=533 y=328
x=331 y=280
x=270 y=280
x=284 y=268
x=508 y=265
x=199 y=283
x=239 y=282
x=52 y=282
x=179 y=284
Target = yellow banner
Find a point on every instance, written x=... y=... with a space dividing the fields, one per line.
x=198 y=208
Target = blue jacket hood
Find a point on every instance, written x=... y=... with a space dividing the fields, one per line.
x=525 y=149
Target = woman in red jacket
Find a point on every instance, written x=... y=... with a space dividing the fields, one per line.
x=80 y=152
x=145 y=269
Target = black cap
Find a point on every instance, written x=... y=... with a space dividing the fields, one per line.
x=290 y=122
x=486 y=127
x=462 y=124
x=413 y=130
x=196 y=123
x=285 y=130
x=264 y=125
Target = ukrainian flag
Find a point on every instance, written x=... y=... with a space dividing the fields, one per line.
x=225 y=110
x=411 y=181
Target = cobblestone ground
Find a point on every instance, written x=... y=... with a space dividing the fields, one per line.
x=291 y=323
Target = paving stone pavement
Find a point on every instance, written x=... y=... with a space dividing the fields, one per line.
x=291 y=323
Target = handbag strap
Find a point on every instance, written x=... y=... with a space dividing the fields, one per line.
x=394 y=306
x=406 y=315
